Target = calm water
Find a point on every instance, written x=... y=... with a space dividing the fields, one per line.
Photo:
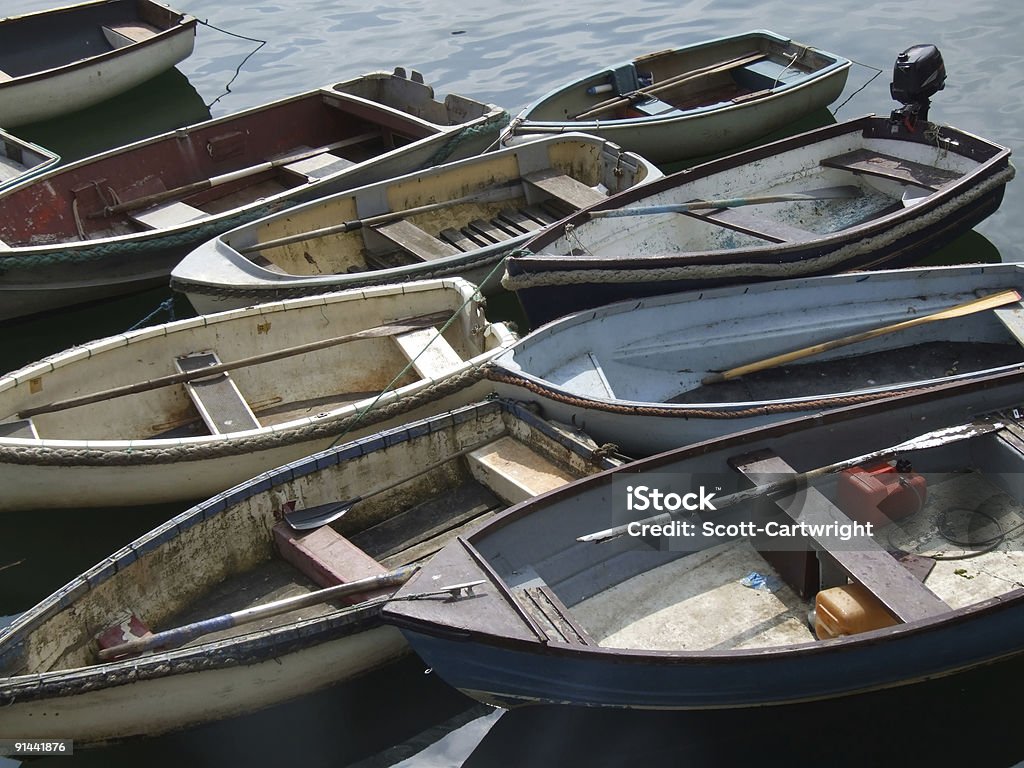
x=509 y=54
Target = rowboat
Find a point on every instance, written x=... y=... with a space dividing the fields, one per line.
x=667 y=371
x=20 y=160
x=696 y=100
x=913 y=571
x=458 y=219
x=120 y=220
x=183 y=410
x=397 y=496
x=860 y=194
x=59 y=60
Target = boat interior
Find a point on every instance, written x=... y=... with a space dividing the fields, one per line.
x=131 y=192
x=846 y=181
x=492 y=200
x=675 y=363
x=372 y=509
x=37 y=42
x=946 y=527
x=674 y=81
x=285 y=365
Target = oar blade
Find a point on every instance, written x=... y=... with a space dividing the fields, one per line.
x=316 y=517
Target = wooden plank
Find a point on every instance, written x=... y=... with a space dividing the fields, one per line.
x=565 y=188
x=127 y=33
x=753 y=225
x=519 y=220
x=4 y=77
x=318 y=166
x=415 y=241
x=220 y=404
x=166 y=215
x=541 y=216
x=514 y=471
x=461 y=240
x=1013 y=319
x=906 y=598
x=893 y=168
x=552 y=616
x=327 y=558
x=489 y=231
x=430 y=353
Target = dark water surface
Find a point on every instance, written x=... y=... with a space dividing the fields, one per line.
x=510 y=53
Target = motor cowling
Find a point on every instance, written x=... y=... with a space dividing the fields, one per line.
x=918 y=74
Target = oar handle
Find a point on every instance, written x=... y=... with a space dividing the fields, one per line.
x=174 y=638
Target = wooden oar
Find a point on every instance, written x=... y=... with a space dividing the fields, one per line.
x=499 y=192
x=391 y=329
x=672 y=82
x=977 y=305
x=216 y=181
x=788 y=485
x=845 y=192
x=174 y=638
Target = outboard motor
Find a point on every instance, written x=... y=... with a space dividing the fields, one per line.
x=917 y=75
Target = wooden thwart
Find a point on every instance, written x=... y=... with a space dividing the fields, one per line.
x=755 y=226
x=893 y=168
x=429 y=352
x=562 y=187
x=415 y=241
x=906 y=598
x=217 y=398
x=514 y=471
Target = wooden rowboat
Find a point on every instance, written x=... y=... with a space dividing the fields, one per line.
x=667 y=371
x=20 y=160
x=408 y=491
x=697 y=100
x=183 y=410
x=120 y=220
x=458 y=219
x=860 y=194
x=580 y=605
x=57 y=61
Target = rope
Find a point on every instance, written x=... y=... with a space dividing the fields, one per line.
x=763 y=270
x=502 y=376
x=496 y=124
x=238 y=69
x=167 y=305
x=869 y=81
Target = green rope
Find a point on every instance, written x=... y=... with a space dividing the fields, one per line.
x=446 y=149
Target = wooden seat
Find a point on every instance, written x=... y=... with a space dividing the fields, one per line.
x=220 y=404
x=415 y=241
x=166 y=215
x=753 y=225
x=318 y=166
x=514 y=471
x=429 y=352
x=129 y=33
x=892 y=168
x=906 y=598
x=326 y=557
x=564 y=188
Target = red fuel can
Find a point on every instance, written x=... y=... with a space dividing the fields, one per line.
x=880 y=492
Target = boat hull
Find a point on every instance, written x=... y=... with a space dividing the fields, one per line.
x=549 y=282
x=56 y=91
x=687 y=133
